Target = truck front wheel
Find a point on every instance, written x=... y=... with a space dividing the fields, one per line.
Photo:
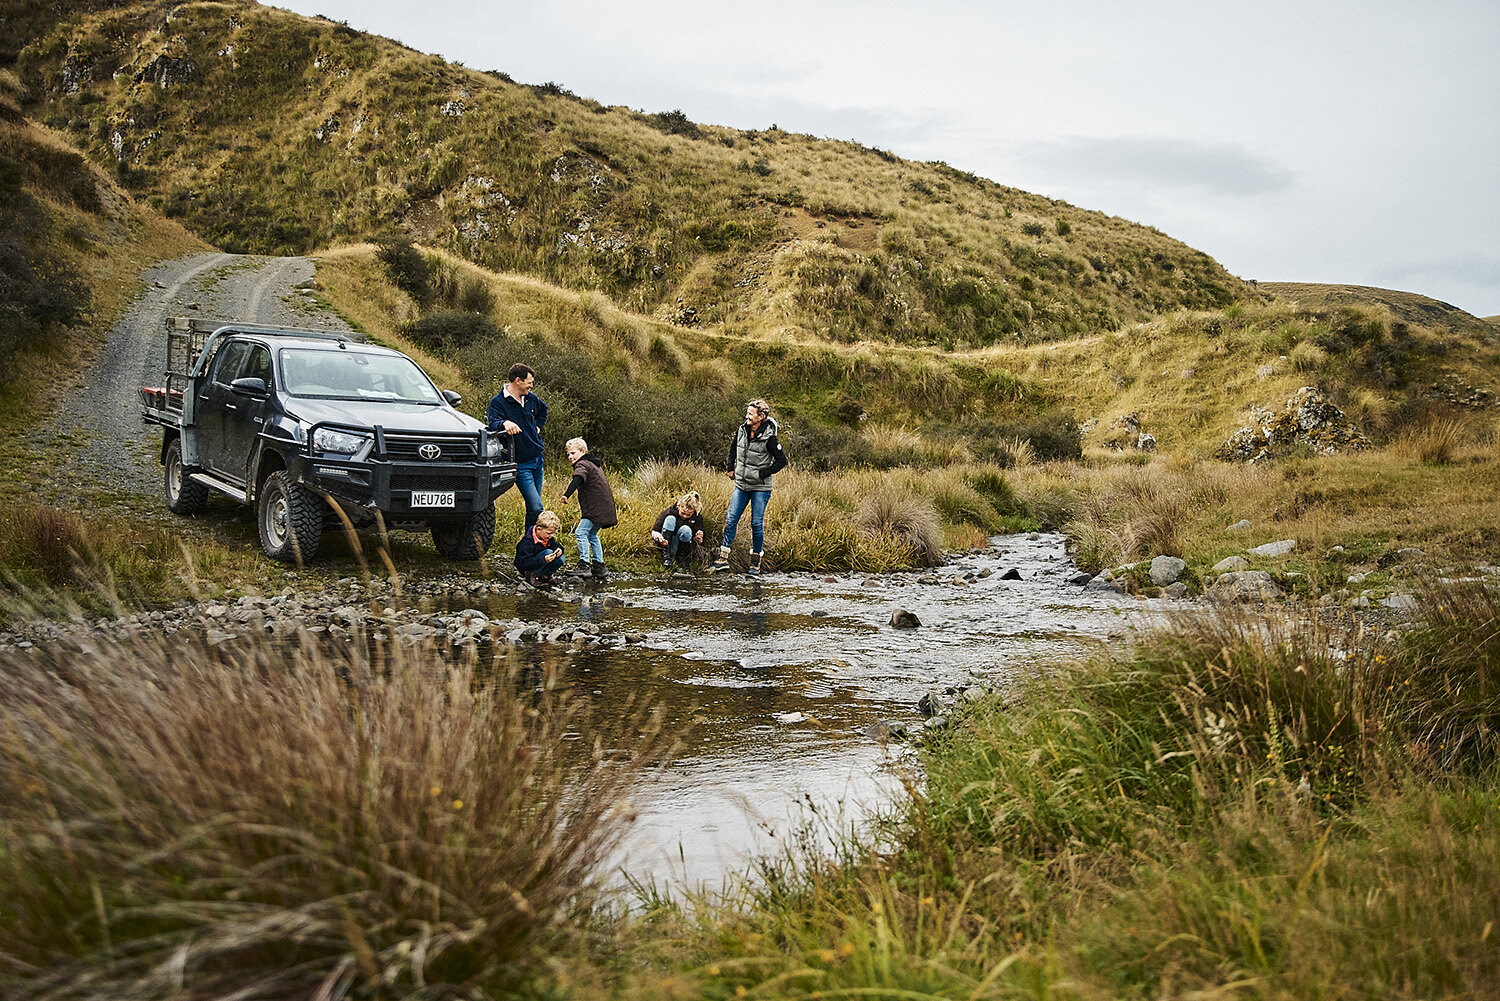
x=184 y=496
x=290 y=518
x=468 y=539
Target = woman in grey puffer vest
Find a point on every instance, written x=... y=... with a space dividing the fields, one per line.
x=754 y=455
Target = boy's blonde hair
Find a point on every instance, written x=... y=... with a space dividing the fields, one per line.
x=578 y=443
x=548 y=519
x=691 y=501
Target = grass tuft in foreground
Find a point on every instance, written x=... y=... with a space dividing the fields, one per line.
x=289 y=819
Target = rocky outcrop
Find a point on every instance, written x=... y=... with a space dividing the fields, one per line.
x=1309 y=419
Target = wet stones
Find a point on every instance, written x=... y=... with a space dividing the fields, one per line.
x=342 y=611
x=903 y=619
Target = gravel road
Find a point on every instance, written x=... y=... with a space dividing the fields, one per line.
x=97 y=452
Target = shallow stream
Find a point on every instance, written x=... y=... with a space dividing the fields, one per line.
x=787 y=679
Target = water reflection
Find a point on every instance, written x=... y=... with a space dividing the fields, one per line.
x=777 y=680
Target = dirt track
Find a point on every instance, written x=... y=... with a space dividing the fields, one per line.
x=97 y=452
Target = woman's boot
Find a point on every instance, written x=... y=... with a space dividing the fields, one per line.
x=755 y=564
x=721 y=562
x=598 y=571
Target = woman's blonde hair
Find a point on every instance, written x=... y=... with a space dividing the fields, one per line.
x=691 y=501
x=760 y=405
x=548 y=519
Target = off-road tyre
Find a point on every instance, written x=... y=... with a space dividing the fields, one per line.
x=468 y=539
x=290 y=518
x=184 y=496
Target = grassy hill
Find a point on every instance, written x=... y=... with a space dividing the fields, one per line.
x=901 y=317
x=265 y=131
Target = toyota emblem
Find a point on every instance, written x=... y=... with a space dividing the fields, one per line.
x=429 y=451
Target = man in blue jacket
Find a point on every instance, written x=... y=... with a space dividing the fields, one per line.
x=519 y=412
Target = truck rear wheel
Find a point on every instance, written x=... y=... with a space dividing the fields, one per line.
x=184 y=496
x=468 y=539
x=290 y=518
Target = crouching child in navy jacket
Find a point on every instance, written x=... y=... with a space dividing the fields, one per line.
x=539 y=555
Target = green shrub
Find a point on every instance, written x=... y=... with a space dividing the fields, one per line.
x=408 y=268
x=451 y=328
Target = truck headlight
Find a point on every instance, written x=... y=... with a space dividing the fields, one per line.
x=494 y=445
x=329 y=440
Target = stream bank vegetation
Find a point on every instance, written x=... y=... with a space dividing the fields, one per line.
x=1271 y=805
x=1247 y=805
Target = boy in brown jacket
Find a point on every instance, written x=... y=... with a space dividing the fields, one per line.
x=596 y=508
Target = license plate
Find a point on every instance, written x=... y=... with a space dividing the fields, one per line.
x=432 y=498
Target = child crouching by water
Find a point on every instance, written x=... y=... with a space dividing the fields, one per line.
x=679 y=528
x=539 y=555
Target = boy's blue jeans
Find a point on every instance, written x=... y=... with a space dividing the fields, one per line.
x=587 y=537
x=757 y=500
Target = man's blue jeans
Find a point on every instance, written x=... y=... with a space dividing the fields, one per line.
x=757 y=500
x=529 y=482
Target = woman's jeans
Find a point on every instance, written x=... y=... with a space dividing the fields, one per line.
x=757 y=500
x=587 y=537
x=676 y=536
x=529 y=482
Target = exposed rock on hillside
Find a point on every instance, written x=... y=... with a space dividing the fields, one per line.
x=1308 y=419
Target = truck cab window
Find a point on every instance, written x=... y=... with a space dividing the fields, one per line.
x=226 y=365
x=259 y=365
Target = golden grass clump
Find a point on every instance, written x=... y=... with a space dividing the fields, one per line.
x=1434 y=443
x=904 y=519
x=294 y=819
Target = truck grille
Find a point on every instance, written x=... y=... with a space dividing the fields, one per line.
x=452 y=448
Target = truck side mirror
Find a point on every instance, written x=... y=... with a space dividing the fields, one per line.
x=453 y=398
x=250 y=386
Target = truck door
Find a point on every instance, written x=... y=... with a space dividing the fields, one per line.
x=214 y=403
x=244 y=415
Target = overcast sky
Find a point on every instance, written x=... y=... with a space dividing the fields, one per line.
x=1348 y=141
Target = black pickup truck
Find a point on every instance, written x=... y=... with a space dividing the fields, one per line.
x=298 y=422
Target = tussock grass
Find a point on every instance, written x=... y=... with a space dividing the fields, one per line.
x=1435 y=443
x=65 y=562
x=292 y=819
x=864 y=520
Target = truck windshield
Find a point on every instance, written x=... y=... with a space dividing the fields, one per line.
x=355 y=375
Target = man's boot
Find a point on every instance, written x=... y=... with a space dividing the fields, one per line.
x=598 y=571
x=721 y=562
x=755 y=564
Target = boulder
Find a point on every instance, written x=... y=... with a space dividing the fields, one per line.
x=1230 y=564
x=1244 y=585
x=1279 y=548
x=1166 y=570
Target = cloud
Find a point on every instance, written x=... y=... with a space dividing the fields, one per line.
x=1472 y=276
x=1162 y=162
